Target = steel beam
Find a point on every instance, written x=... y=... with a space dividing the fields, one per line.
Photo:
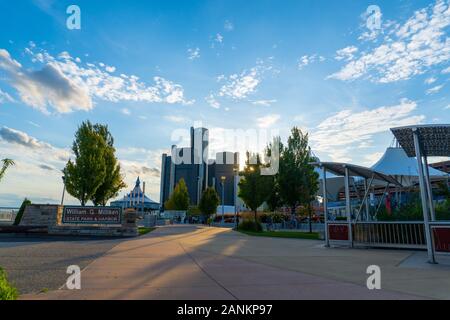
x=423 y=193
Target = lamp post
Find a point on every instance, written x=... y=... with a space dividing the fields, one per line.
x=64 y=189
x=222 y=179
x=235 y=171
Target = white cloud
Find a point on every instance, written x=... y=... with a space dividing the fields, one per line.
x=218 y=38
x=430 y=80
x=372 y=158
x=37 y=173
x=339 y=135
x=34 y=124
x=66 y=85
x=212 y=101
x=446 y=70
x=176 y=119
x=48 y=86
x=346 y=54
x=306 y=60
x=193 y=53
x=107 y=68
x=125 y=111
x=410 y=49
x=268 y=121
x=5 y=97
x=240 y=86
x=264 y=103
x=228 y=26
x=435 y=89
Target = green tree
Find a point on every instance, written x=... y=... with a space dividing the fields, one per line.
x=19 y=215
x=209 y=202
x=297 y=179
x=113 y=181
x=6 y=163
x=87 y=173
x=254 y=188
x=179 y=199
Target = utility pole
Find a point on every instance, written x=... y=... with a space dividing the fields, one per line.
x=223 y=178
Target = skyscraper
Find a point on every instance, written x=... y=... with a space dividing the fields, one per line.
x=189 y=163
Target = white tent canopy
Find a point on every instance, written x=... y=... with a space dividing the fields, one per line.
x=396 y=163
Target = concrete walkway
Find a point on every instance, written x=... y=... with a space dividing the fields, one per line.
x=192 y=262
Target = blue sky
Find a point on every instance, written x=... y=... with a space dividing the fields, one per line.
x=148 y=68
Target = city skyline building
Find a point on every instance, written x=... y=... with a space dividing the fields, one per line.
x=191 y=164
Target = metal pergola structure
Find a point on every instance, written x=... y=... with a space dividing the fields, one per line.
x=349 y=170
x=423 y=141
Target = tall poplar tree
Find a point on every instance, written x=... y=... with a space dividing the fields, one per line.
x=113 y=181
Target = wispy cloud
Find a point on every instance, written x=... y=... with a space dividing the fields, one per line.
x=264 y=103
x=212 y=101
x=306 y=60
x=5 y=97
x=228 y=26
x=435 y=89
x=268 y=121
x=193 y=53
x=176 y=119
x=125 y=111
x=347 y=53
x=409 y=49
x=430 y=80
x=343 y=133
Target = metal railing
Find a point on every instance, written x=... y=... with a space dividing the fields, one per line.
x=390 y=234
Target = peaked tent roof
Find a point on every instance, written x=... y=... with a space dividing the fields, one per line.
x=395 y=162
x=136 y=195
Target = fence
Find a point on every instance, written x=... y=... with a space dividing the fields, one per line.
x=390 y=234
x=405 y=234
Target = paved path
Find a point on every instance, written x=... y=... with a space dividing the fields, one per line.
x=191 y=262
x=35 y=263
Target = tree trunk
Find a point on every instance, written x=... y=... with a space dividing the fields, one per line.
x=256 y=216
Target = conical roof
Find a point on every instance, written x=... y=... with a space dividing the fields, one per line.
x=136 y=194
x=395 y=162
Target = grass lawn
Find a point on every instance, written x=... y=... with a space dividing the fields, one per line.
x=144 y=230
x=284 y=234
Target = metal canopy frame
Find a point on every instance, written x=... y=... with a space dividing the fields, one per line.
x=349 y=170
x=422 y=142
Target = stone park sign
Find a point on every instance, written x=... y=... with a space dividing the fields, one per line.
x=92 y=215
x=77 y=220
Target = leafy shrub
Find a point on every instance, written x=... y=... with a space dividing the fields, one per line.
x=250 y=225
x=272 y=217
x=278 y=218
x=264 y=217
x=19 y=215
x=7 y=292
x=193 y=211
x=443 y=210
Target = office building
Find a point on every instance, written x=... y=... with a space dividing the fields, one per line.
x=189 y=163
